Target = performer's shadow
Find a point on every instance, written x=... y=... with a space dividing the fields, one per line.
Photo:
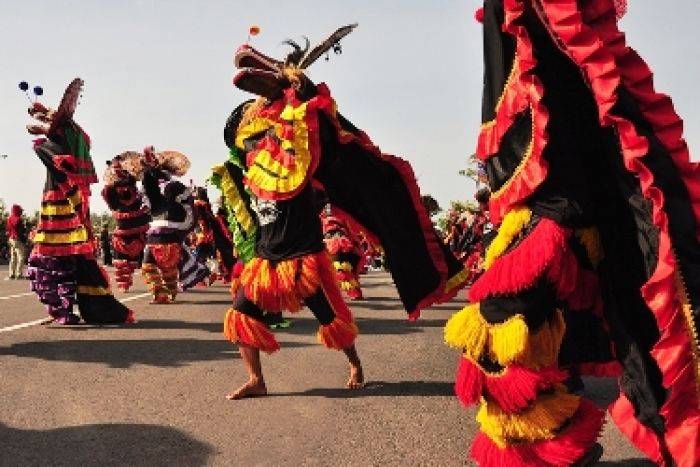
x=101 y=445
x=626 y=463
x=382 y=389
x=129 y=352
x=368 y=326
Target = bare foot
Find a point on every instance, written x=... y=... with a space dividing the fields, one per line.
x=357 y=376
x=252 y=388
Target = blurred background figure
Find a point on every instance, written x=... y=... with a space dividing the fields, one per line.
x=105 y=246
x=17 y=234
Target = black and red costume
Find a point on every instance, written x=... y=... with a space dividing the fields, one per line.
x=132 y=215
x=598 y=206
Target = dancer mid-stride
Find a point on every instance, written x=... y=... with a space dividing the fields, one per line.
x=283 y=146
x=166 y=261
x=597 y=207
x=62 y=265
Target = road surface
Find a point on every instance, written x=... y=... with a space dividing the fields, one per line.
x=153 y=393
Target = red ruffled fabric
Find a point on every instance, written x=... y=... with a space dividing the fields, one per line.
x=524 y=91
x=325 y=103
x=594 y=42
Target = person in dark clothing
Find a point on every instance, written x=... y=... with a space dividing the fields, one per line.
x=105 y=246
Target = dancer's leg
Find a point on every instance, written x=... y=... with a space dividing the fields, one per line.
x=337 y=327
x=255 y=386
x=244 y=325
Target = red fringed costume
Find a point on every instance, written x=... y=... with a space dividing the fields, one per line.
x=346 y=253
x=598 y=207
x=132 y=214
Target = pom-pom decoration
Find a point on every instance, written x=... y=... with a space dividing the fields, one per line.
x=24 y=87
x=620 y=8
x=479 y=15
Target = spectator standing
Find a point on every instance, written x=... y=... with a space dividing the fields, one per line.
x=17 y=238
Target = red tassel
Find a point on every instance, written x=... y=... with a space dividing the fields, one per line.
x=568 y=447
x=338 y=335
x=469 y=382
x=518 y=386
x=518 y=270
x=241 y=328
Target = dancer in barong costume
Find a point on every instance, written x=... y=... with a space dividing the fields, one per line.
x=597 y=209
x=131 y=213
x=166 y=259
x=283 y=145
x=62 y=264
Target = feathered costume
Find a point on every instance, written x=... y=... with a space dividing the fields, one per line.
x=166 y=260
x=288 y=140
x=62 y=265
x=346 y=254
x=132 y=214
x=598 y=210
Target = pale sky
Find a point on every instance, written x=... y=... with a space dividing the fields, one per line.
x=159 y=72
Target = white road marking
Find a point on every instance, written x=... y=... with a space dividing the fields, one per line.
x=17 y=295
x=136 y=297
x=26 y=325
x=48 y=320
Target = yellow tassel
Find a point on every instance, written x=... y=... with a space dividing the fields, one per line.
x=468 y=331
x=539 y=422
x=543 y=345
x=513 y=223
x=508 y=341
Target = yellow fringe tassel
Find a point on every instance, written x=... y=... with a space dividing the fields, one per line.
x=543 y=345
x=469 y=331
x=539 y=422
x=505 y=343
x=513 y=223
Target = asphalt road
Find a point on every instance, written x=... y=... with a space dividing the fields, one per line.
x=153 y=393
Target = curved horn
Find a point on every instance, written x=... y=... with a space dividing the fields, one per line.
x=324 y=46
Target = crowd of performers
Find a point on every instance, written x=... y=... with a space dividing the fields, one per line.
x=467 y=232
x=583 y=255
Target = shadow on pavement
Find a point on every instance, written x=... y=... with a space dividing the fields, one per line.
x=368 y=326
x=381 y=389
x=174 y=324
x=626 y=463
x=391 y=303
x=101 y=445
x=126 y=353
